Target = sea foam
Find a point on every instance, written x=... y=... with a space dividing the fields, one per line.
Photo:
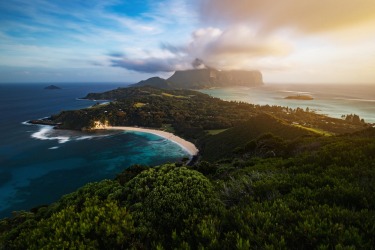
x=26 y=123
x=45 y=134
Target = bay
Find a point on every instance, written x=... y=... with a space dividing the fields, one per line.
x=39 y=164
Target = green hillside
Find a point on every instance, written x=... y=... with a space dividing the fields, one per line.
x=319 y=197
x=225 y=144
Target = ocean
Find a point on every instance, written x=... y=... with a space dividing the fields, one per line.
x=39 y=164
x=333 y=100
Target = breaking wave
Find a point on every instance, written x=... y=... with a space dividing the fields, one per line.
x=62 y=136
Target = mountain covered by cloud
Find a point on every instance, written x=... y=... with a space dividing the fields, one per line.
x=273 y=36
x=205 y=77
x=234 y=48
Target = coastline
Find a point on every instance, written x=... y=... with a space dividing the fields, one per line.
x=186 y=145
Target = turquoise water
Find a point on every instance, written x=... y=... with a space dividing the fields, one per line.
x=39 y=164
x=333 y=100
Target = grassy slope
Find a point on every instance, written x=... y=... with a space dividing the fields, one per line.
x=222 y=145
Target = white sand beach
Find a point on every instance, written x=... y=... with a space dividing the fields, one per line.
x=188 y=146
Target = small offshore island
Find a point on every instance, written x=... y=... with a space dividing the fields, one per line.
x=52 y=87
x=265 y=177
x=300 y=97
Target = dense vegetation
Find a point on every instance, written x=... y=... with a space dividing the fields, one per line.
x=189 y=113
x=229 y=141
x=310 y=193
x=267 y=178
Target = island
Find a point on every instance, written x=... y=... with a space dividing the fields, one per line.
x=265 y=177
x=300 y=97
x=52 y=87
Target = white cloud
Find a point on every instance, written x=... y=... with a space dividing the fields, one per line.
x=80 y=34
x=304 y=16
x=234 y=48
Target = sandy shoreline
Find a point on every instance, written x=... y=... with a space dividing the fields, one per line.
x=188 y=146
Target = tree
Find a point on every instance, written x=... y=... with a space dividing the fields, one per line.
x=98 y=225
x=170 y=201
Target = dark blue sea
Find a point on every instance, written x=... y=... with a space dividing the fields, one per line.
x=39 y=164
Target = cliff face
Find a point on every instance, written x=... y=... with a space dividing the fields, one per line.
x=205 y=78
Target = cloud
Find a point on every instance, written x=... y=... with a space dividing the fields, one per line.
x=303 y=16
x=148 y=65
x=236 y=47
x=173 y=48
x=116 y=54
x=256 y=34
x=238 y=40
x=57 y=34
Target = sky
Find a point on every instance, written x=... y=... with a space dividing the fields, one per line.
x=289 y=41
